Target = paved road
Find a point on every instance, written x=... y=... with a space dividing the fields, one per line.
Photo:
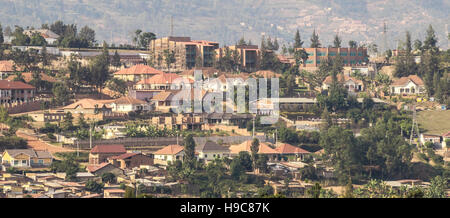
x=35 y=143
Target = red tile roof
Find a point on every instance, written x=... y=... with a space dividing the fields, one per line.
x=139 y=70
x=246 y=146
x=405 y=80
x=8 y=85
x=170 y=150
x=119 y=149
x=29 y=76
x=123 y=156
x=290 y=149
x=446 y=135
x=93 y=168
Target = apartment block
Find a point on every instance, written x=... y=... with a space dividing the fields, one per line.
x=352 y=57
x=249 y=55
x=188 y=53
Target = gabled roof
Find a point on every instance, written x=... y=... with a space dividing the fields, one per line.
x=29 y=152
x=170 y=150
x=86 y=103
x=29 y=76
x=163 y=96
x=246 y=146
x=128 y=100
x=329 y=79
x=165 y=78
x=94 y=168
x=119 y=149
x=139 y=69
x=290 y=149
x=211 y=146
x=10 y=85
x=446 y=135
x=405 y=80
x=123 y=156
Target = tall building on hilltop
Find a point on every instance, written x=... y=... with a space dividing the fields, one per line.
x=187 y=53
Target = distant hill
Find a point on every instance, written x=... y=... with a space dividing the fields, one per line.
x=228 y=20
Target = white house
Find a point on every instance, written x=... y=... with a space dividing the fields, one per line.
x=49 y=36
x=168 y=154
x=352 y=84
x=210 y=150
x=410 y=85
x=127 y=104
x=435 y=139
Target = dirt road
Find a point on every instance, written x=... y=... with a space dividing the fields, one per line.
x=35 y=143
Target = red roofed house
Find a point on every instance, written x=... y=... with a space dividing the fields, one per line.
x=100 y=169
x=409 y=85
x=100 y=153
x=16 y=91
x=6 y=67
x=130 y=160
x=137 y=73
x=168 y=154
x=287 y=150
x=264 y=148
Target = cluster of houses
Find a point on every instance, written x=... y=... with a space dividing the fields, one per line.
x=31 y=179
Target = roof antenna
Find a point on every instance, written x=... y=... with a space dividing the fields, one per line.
x=171 y=25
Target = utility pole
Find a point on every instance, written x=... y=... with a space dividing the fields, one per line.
x=90 y=136
x=78 y=149
x=253 y=127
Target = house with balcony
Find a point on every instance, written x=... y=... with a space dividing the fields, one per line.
x=16 y=92
x=352 y=84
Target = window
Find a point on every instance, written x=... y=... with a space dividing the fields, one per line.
x=343 y=53
x=318 y=61
x=41 y=161
x=332 y=54
x=206 y=155
x=352 y=53
x=309 y=61
x=24 y=162
x=321 y=54
x=16 y=162
x=359 y=53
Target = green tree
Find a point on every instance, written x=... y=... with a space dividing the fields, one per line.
x=254 y=149
x=115 y=61
x=352 y=44
x=337 y=41
x=437 y=188
x=117 y=85
x=298 y=43
x=2 y=40
x=99 y=68
x=169 y=58
x=108 y=178
x=37 y=39
x=405 y=64
x=88 y=35
x=315 y=43
x=189 y=152
x=93 y=186
x=61 y=94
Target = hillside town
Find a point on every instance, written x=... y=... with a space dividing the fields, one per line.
x=173 y=116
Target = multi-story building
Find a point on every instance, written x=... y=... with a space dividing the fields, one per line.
x=16 y=92
x=188 y=53
x=249 y=55
x=352 y=57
